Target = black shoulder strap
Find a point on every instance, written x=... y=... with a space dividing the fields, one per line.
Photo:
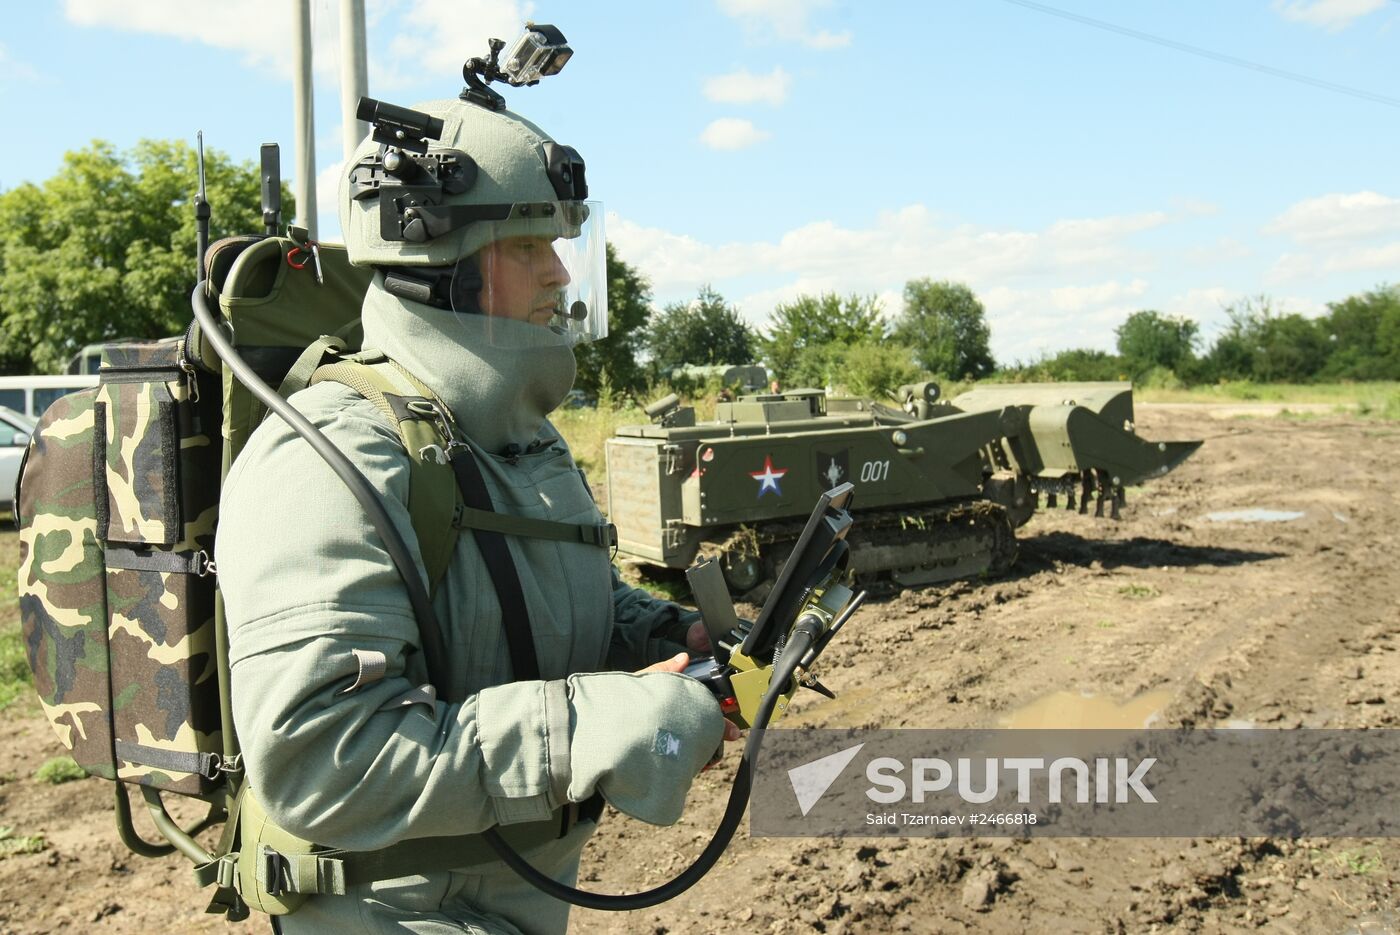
x=515 y=617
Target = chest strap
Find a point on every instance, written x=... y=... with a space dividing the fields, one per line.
x=495 y=551
x=604 y=535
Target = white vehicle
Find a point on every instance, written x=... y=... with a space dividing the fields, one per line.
x=32 y=395
x=15 y=429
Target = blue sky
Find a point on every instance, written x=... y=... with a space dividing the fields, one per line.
x=1069 y=174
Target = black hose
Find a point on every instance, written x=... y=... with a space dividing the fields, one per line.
x=435 y=652
x=783 y=671
x=434 y=649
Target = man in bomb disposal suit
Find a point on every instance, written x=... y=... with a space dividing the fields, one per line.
x=489 y=267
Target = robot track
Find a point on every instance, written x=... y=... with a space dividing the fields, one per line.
x=890 y=549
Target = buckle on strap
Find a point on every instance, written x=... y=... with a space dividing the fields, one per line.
x=308 y=874
x=604 y=535
x=573 y=813
x=430 y=410
x=221 y=872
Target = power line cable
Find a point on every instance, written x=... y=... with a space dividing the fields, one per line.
x=1207 y=53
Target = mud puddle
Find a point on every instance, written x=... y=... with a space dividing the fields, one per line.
x=1254 y=516
x=1075 y=710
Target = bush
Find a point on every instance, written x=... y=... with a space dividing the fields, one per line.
x=1077 y=365
x=1160 y=378
x=816 y=366
x=59 y=770
x=875 y=370
x=11 y=843
x=1263 y=344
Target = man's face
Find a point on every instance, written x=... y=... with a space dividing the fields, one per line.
x=521 y=278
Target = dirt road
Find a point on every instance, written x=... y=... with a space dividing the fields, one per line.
x=1200 y=621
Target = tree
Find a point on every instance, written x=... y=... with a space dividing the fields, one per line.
x=1262 y=344
x=705 y=331
x=105 y=248
x=876 y=370
x=1150 y=339
x=809 y=322
x=815 y=365
x=946 y=327
x=629 y=305
x=1364 y=334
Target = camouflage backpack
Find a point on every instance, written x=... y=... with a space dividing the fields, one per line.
x=117 y=506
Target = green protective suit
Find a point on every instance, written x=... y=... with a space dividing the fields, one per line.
x=346 y=759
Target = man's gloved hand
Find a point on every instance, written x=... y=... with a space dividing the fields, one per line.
x=640 y=738
x=691 y=628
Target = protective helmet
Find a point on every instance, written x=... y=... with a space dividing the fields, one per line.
x=435 y=189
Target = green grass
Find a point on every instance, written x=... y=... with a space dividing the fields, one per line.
x=14 y=667
x=1380 y=396
x=11 y=844
x=587 y=430
x=1355 y=862
x=59 y=770
x=1138 y=591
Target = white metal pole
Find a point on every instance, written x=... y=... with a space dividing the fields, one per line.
x=304 y=116
x=354 y=77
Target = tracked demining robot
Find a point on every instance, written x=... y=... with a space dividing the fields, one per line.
x=941 y=486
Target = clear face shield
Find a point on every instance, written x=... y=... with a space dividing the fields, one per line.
x=540 y=277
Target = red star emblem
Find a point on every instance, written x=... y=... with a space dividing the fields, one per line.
x=768 y=477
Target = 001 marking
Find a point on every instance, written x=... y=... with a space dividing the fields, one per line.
x=872 y=471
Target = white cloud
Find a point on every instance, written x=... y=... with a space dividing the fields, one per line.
x=1068 y=284
x=1083 y=298
x=731 y=133
x=439 y=35
x=823 y=40
x=13 y=69
x=1026 y=323
x=1221 y=251
x=1203 y=303
x=744 y=87
x=435 y=37
x=261 y=29
x=327 y=202
x=1332 y=15
x=1345 y=232
x=785 y=20
x=1291 y=266
x=1106 y=229
x=1339 y=217
x=899 y=245
x=1382 y=258
x=1307 y=307
x=755 y=307
x=1196 y=206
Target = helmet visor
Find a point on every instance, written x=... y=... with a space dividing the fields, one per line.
x=540 y=276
